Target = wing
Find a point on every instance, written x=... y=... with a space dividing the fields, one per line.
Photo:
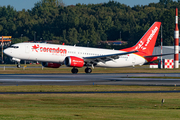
x=104 y=58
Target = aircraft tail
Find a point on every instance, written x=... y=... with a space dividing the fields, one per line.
x=146 y=44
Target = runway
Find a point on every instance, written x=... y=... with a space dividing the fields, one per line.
x=88 y=79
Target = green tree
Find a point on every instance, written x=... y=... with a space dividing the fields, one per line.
x=72 y=36
x=168 y=27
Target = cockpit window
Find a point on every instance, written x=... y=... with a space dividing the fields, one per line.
x=14 y=46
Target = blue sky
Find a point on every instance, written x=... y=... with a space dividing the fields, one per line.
x=28 y=4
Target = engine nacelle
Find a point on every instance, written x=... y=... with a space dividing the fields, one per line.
x=51 y=65
x=72 y=61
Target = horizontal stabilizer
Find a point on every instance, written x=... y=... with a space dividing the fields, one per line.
x=157 y=55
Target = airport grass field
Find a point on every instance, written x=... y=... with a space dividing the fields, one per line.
x=89 y=106
x=121 y=106
x=37 y=69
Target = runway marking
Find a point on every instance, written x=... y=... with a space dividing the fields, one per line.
x=144 y=79
x=30 y=80
x=86 y=79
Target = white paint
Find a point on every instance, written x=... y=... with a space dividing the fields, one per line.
x=176 y=19
x=176 y=64
x=176 y=49
x=176 y=34
x=123 y=61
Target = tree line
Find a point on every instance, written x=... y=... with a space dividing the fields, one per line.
x=87 y=25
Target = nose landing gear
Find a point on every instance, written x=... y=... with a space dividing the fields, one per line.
x=18 y=65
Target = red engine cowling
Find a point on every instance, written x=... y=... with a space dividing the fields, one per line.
x=51 y=65
x=72 y=61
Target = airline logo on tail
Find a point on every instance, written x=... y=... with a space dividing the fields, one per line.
x=141 y=44
x=151 y=36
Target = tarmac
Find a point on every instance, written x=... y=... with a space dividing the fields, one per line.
x=89 y=79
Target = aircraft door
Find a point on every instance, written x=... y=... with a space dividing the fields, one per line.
x=133 y=60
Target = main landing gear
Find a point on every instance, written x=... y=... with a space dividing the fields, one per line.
x=75 y=70
x=88 y=70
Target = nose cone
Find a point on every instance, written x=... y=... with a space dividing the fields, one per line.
x=7 y=51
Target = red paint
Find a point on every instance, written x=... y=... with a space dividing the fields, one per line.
x=176 y=42
x=51 y=65
x=73 y=61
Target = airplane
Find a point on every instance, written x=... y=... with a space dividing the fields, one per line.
x=53 y=55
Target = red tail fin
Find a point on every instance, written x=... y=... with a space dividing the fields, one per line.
x=147 y=42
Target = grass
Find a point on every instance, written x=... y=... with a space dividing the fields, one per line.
x=63 y=69
x=90 y=106
x=85 y=88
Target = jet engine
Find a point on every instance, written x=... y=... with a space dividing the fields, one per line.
x=72 y=61
x=51 y=65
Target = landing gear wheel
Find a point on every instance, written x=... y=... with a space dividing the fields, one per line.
x=88 y=70
x=74 y=70
x=18 y=65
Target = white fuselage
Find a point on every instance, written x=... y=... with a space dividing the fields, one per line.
x=57 y=53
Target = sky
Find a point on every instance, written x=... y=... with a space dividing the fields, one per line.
x=29 y=4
